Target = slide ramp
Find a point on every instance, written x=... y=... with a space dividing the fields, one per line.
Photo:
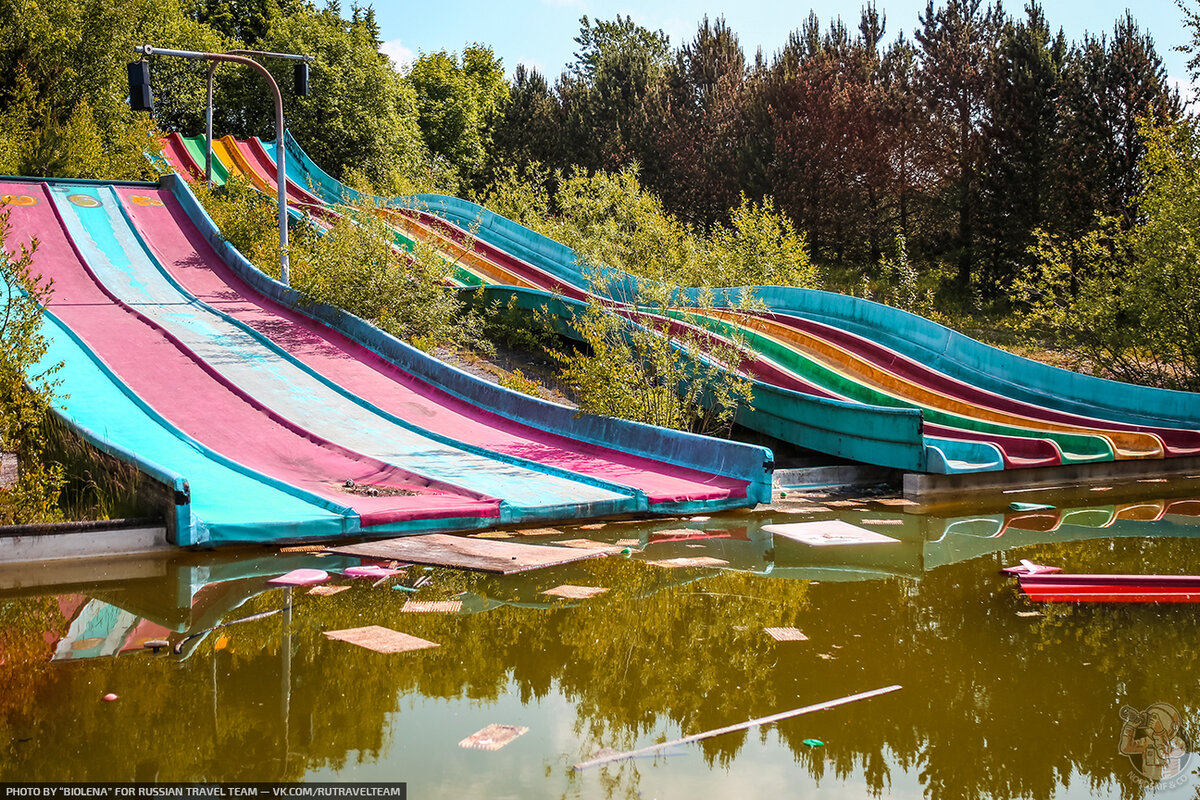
x=211 y=377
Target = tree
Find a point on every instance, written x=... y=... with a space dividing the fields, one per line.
x=529 y=124
x=956 y=45
x=1110 y=86
x=360 y=113
x=459 y=104
x=689 y=148
x=1124 y=301
x=1020 y=185
x=64 y=90
x=605 y=89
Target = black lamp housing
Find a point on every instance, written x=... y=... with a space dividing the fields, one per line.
x=140 y=97
x=300 y=73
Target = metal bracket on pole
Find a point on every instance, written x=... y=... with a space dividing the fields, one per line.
x=280 y=150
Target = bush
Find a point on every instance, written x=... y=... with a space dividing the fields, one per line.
x=355 y=264
x=26 y=390
x=1126 y=303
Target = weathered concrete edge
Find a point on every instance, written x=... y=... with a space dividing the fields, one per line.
x=838 y=475
x=68 y=545
x=921 y=487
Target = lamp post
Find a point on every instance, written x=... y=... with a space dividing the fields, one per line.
x=238 y=57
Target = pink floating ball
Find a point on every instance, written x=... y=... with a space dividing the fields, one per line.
x=108 y=698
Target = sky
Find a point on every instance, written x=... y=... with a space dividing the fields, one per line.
x=541 y=33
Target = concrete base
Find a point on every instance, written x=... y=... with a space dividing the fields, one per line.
x=69 y=542
x=924 y=488
x=839 y=475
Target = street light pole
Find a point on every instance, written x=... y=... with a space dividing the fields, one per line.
x=280 y=150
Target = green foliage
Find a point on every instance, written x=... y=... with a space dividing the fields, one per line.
x=645 y=368
x=1125 y=302
x=25 y=392
x=517 y=381
x=459 y=102
x=354 y=265
x=360 y=113
x=759 y=247
x=246 y=218
x=612 y=222
x=63 y=86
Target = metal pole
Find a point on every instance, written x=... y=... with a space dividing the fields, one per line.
x=148 y=50
x=212 y=67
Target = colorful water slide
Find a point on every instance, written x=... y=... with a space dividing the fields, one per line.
x=269 y=424
x=808 y=368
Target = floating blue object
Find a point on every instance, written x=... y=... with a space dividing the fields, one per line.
x=1016 y=506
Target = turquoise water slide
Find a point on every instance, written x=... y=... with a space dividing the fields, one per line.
x=832 y=373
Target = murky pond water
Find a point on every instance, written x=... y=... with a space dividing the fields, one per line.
x=1001 y=698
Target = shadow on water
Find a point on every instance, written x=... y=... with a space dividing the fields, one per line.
x=1001 y=699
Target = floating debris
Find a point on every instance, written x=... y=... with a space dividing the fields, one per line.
x=1100 y=489
x=380 y=639
x=694 y=561
x=699 y=519
x=813 y=742
x=326 y=591
x=628 y=542
x=1027 y=567
x=539 y=532
x=372 y=571
x=1018 y=506
x=802 y=510
x=1029 y=613
x=786 y=634
x=433 y=606
x=493 y=737
x=595 y=526
x=844 y=503
x=683 y=534
x=465 y=553
x=588 y=544
x=575 y=592
x=303 y=548
x=828 y=532
x=882 y=522
x=795 y=712
x=493 y=535
x=300 y=577
x=894 y=501
x=1152 y=480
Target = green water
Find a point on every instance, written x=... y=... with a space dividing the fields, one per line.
x=997 y=701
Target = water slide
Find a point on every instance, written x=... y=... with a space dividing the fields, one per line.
x=270 y=423
x=833 y=373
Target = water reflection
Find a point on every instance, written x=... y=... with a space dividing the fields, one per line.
x=996 y=703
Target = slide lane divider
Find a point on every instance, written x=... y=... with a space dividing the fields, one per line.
x=1181 y=404
x=1016 y=451
x=984 y=366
